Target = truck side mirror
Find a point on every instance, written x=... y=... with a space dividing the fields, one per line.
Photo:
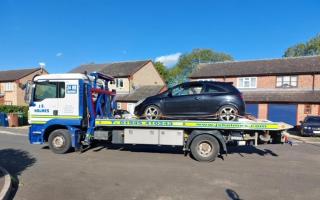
x=28 y=87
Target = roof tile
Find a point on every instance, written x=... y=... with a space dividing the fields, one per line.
x=297 y=65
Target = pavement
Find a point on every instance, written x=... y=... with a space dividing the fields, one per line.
x=5 y=184
x=159 y=173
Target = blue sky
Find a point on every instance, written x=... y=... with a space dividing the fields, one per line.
x=64 y=34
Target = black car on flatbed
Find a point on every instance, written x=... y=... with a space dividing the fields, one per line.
x=198 y=99
x=310 y=126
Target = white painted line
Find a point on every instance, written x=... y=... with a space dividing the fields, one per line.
x=4 y=193
x=12 y=133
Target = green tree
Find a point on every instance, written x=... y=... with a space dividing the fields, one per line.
x=163 y=70
x=188 y=62
x=311 y=47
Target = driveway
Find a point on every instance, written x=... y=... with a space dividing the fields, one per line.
x=162 y=173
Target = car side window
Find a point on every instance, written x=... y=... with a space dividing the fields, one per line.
x=212 y=89
x=187 y=90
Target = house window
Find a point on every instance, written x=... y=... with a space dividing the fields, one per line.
x=119 y=83
x=287 y=81
x=118 y=106
x=8 y=103
x=307 y=109
x=8 y=87
x=247 y=82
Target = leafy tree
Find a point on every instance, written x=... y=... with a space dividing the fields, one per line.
x=311 y=47
x=162 y=69
x=188 y=62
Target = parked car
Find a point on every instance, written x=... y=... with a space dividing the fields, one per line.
x=122 y=114
x=310 y=126
x=194 y=100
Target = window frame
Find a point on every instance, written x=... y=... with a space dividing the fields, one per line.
x=307 y=110
x=119 y=83
x=250 y=80
x=6 y=87
x=58 y=89
x=8 y=103
x=290 y=81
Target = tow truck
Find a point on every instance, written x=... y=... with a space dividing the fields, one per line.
x=73 y=110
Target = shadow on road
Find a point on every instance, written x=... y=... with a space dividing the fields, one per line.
x=232 y=195
x=15 y=161
x=248 y=149
x=241 y=150
x=137 y=148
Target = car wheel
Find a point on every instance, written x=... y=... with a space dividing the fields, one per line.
x=228 y=113
x=152 y=112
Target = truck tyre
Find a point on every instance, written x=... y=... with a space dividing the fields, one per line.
x=60 y=141
x=205 y=148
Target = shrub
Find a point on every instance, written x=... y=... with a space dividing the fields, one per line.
x=16 y=109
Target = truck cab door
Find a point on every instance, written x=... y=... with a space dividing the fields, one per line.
x=46 y=101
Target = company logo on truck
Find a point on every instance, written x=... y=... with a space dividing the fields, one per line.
x=41 y=109
x=71 y=89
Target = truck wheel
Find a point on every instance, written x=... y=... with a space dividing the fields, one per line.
x=205 y=148
x=60 y=141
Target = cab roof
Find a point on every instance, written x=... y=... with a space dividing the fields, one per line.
x=74 y=76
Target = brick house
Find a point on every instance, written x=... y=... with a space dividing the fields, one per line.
x=286 y=89
x=11 y=82
x=134 y=80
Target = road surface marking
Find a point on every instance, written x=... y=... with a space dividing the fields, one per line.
x=12 y=133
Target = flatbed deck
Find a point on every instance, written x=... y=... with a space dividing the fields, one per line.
x=194 y=124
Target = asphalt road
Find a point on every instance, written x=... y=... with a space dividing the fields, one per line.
x=139 y=172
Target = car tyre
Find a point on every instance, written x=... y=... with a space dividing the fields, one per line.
x=152 y=112
x=60 y=141
x=205 y=148
x=228 y=113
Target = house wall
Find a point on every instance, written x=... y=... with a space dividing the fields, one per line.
x=269 y=82
x=16 y=96
x=263 y=111
x=20 y=92
x=147 y=75
x=124 y=89
x=301 y=111
x=10 y=97
x=317 y=81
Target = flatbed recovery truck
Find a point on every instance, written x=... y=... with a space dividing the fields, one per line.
x=72 y=110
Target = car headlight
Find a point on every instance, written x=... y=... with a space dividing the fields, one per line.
x=307 y=127
x=139 y=102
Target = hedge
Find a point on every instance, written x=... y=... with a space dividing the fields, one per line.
x=15 y=109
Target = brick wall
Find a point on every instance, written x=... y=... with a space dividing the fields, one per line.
x=301 y=111
x=269 y=82
x=263 y=111
x=317 y=81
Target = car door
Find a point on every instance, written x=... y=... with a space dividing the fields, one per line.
x=185 y=99
x=213 y=98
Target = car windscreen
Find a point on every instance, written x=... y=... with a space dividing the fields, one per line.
x=313 y=120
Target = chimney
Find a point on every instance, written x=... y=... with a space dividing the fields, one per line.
x=42 y=66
